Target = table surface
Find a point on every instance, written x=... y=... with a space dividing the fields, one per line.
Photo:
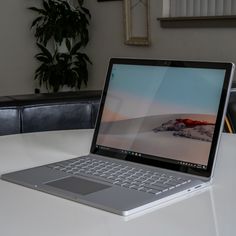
x=26 y=212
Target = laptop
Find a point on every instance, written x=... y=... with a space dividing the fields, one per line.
x=156 y=137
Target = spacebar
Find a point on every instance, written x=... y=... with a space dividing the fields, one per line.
x=97 y=177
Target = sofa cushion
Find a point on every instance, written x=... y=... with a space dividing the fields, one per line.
x=9 y=120
x=56 y=116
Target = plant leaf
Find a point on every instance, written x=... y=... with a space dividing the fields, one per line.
x=45 y=51
x=68 y=44
x=86 y=11
x=36 y=21
x=80 y=2
x=39 y=10
x=75 y=48
x=46 y=6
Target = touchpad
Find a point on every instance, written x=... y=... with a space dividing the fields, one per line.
x=78 y=185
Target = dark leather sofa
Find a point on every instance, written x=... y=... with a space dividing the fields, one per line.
x=45 y=112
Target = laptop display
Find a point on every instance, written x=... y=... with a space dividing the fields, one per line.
x=166 y=113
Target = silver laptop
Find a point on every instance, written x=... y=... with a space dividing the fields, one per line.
x=155 y=139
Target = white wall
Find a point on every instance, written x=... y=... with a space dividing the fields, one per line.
x=17 y=48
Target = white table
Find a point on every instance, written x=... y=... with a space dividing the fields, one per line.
x=26 y=212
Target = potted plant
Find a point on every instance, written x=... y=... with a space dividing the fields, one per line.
x=61 y=32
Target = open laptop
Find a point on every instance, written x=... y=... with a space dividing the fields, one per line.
x=156 y=137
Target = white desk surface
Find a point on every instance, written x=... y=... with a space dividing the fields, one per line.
x=26 y=212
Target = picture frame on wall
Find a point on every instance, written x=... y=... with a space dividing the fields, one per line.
x=136 y=20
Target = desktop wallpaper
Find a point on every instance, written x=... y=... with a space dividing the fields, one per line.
x=162 y=111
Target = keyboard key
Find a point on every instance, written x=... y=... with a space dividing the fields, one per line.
x=143 y=189
x=153 y=191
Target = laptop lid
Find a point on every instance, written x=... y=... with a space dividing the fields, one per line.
x=163 y=113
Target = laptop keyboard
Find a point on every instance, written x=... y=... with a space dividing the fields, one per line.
x=120 y=174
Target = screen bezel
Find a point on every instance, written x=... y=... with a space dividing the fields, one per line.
x=161 y=163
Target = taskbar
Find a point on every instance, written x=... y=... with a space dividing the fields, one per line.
x=133 y=154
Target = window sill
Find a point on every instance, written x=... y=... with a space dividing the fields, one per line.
x=199 y=22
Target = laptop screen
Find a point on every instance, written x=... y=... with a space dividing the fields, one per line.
x=160 y=112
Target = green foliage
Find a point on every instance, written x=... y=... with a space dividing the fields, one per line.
x=60 y=69
x=58 y=21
